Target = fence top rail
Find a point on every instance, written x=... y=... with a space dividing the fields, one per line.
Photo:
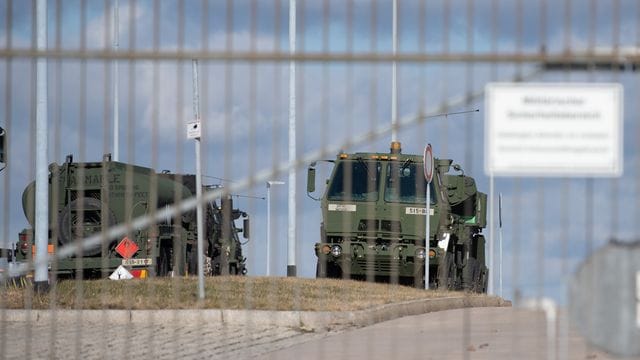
x=601 y=58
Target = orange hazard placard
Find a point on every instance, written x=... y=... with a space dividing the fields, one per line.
x=139 y=273
x=126 y=248
x=50 y=250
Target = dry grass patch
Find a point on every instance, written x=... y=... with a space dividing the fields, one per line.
x=231 y=292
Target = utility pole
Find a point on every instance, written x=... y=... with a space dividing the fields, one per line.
x=196 y=128
x=116 y=115
x=291 y=245
x=41 y=278
x=394 y=73
x=269 y=184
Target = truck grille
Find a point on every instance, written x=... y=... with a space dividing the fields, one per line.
x=379 y=265
x=368 y=225
x=393 y=226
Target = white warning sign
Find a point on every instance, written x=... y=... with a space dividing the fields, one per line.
x=121 y=274
x=194 y=130
x=554 y=129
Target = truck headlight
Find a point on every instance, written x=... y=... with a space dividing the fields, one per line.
x=421 y=253
x=336 y=250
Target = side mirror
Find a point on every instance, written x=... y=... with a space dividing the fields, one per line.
x=245 y=228
x=457 y=167
x=311 y=178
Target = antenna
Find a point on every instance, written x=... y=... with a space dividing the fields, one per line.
x=424 y=117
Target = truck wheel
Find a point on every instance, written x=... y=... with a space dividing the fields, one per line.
x=446 y=273
x=418 y=277
x=473 y=276
x=92 y=217
x=163 y=261
x=216 y=267
x=321 y=269
x=484 y=279
x=325 y=269
x=192 y=265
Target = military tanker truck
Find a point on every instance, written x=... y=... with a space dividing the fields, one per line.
x=374 y=222
x=86 y=198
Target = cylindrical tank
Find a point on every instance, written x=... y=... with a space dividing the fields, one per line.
x=85 y=187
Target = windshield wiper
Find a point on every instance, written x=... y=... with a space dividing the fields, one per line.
x=366 y=167
x=406 y=163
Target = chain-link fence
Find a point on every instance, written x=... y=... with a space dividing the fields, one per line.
x=272 y=93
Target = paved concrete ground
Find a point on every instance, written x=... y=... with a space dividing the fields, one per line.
x=476 y=333
x=211 y=333
x=21 y=340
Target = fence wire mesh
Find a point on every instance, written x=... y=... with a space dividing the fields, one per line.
x=121 y=114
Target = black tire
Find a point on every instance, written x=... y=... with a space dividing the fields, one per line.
x=473 y=276
x=329 y=270
x=192 y=264
x=321 y=269
x=225 y=266
x=446 y=273
x=163 y=261
x=216 y=266
x=68 y=227
x=418 y=277
x=178 y=259
x=484 y=279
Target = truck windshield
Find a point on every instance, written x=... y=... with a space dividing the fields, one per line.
x=355 y=181
x=406 y=184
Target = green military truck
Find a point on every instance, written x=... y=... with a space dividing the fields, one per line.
x=374 y=222
x=86 y=198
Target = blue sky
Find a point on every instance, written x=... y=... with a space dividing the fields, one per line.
x=245 y=107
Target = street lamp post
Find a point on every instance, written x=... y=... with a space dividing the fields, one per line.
x=269 y=184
